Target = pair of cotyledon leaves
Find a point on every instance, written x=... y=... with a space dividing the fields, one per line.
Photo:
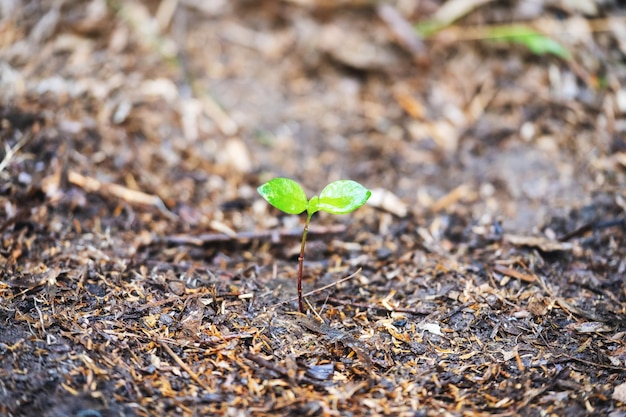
x=339 y=197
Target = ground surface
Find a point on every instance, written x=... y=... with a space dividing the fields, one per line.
x=142 y=274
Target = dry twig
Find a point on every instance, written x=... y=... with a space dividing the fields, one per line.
x=133 y=197
x=282 y=371
x=366 y=306
x=10 y=152
x=273 y=235
x=182 y=364
x=325 y=287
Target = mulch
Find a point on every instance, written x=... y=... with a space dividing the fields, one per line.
x=142 y=275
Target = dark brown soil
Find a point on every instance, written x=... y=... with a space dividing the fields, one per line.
x=142 y=275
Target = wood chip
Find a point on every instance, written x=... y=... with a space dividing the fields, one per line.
x=387 y=201
x=538 y=242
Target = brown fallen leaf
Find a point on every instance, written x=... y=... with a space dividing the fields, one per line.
x=192 y=316
x=619 y=393
x=589 y=327
x=333 y=335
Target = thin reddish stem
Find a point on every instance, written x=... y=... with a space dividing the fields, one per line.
x=301 y=263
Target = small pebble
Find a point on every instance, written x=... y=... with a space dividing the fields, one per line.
x=383 y=253
x=165 y=319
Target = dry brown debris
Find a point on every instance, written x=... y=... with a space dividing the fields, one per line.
x=141 y=275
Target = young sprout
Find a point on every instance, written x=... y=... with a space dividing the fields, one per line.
x=339 y=197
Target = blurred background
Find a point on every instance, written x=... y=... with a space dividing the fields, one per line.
x=462 y=113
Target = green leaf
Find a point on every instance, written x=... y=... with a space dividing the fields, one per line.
x=313 y=205
x=342 y=197
x=536 y=42
x=541 y=45
x=284 y=194
x=429 y=27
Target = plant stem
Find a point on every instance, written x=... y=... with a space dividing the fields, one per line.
x=301 y=262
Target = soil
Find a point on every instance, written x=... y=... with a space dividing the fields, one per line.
x=143 y=275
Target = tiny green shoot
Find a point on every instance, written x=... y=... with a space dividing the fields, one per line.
x=536 y=42
x=338 y=197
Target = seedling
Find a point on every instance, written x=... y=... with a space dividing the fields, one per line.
x=339 y=197
x=536 y=42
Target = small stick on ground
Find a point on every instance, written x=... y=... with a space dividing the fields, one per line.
x=10 y=152
x=273 y=235
x=183 y=365
x=325 y=287
x=456 y=310
x=586 y=228
x=281 y=371
x=365 y=306
x=92 y=185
